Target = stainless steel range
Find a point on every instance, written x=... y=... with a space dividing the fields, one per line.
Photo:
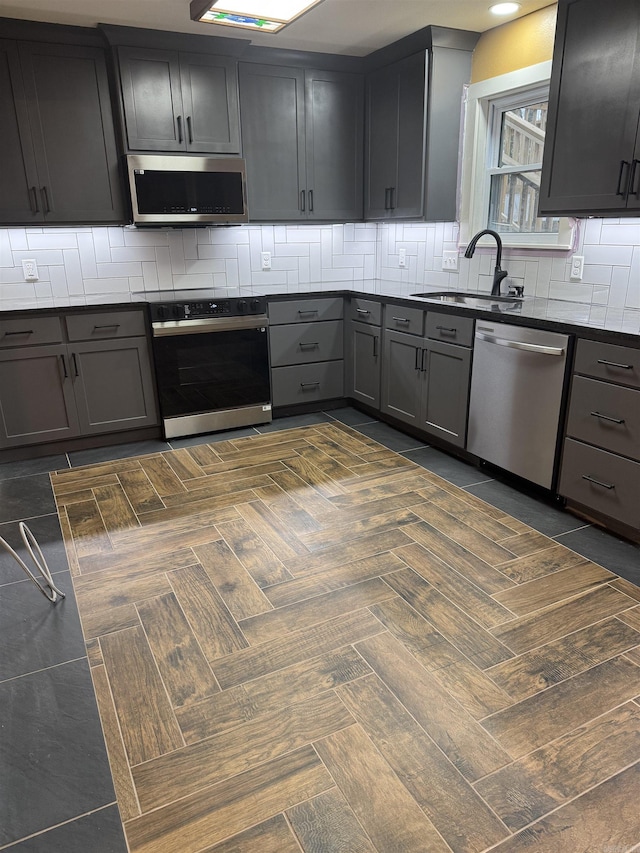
x=212 y=364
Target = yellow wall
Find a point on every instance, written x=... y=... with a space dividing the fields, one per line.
x=525 y=41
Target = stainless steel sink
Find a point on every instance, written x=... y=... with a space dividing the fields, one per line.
x=473 y=300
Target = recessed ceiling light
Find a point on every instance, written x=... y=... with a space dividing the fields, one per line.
x=504 y=8
x=269 y=16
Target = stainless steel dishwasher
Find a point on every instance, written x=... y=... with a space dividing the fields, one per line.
x=516 y=398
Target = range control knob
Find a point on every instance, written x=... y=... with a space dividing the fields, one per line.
x=176 y=311
x=161 y=312
x=255 y=305
x=241 y=306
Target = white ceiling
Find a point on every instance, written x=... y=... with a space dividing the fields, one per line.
x=354 y=27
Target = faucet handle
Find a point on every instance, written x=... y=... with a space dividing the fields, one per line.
x=516 y=290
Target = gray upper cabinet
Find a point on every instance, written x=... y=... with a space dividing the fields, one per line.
x=592 y=150
x=58 y=157
x=413 y=110
x=175 y=101
x=302 y=135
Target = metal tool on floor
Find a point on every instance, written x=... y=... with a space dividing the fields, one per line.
x=48 y=588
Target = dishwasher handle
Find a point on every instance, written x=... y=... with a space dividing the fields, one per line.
x=521 y=345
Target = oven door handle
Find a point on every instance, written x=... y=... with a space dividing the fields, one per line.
x=172 y=328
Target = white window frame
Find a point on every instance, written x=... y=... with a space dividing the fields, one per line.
x=483 y=101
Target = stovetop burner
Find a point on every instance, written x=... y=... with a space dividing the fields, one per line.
x=202 y=308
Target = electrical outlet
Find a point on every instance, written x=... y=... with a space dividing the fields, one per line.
x=30 y=270
x=266 y=260
x=577 y=268
x=402 y=257
x=450 y=261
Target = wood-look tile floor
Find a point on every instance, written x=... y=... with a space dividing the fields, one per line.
x=303 y=641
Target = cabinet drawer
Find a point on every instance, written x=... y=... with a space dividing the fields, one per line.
x=607 y=361
x=365 y=311
x=109 y=324
x=450 y=327
x=304 y=383
x=602 y=481
x=305 y=310
x=304 y=343
x=606 y=415
x=403 y=319
x=26 y=331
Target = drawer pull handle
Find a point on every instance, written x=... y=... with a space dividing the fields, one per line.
x=108 y=326
x=607 y=418
x=401 y=319
x=446 y=330
x=309 y=384
x=363 y=311
x=598 y=482
x=615 y=364
x=310 y=344
x=26 y=332
x=308 y=311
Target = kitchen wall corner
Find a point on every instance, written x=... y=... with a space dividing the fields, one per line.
x=84 y=266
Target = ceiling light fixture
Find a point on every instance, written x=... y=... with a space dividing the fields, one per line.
x=504 y=8
x=268 y=16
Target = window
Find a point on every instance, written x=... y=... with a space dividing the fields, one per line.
x=504 y=135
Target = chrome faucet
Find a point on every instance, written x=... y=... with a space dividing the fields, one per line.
x=498 y=273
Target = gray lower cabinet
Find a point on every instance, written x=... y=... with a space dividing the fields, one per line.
x=426 y=382
x=58 y=156
x=364 y=351
x=94 y=379
x=306 y=342
x=600 y=468
x=177 y=101
x=302 y=138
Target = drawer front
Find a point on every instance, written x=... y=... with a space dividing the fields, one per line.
x=402 y=319
x=26 y=331
x=304 y=343
x=365 y=311
x=108 y=324
x=450 y=328
x=304 y=383
x=601 y=481
x=610 y=362
x=306 y=310
x=606 y=415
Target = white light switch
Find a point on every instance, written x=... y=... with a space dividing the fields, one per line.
x=266 y=260
x=577 y=267
x=450 y=261
x=30 y=270
x=402 y=257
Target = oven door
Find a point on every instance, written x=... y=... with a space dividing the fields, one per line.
x=212 y=374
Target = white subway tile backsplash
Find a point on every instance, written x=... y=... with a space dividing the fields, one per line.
x=52 y=240
x=117 y=270
x=97 y=286
x=615 y=255
x=620 y=235
x=17 y=239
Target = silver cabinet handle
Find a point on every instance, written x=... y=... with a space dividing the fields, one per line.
x=417 y=361
x=107 y=326
x=308 y=311
x=375 y=346
x=401 y=319
x=310 y=344
x=309 y=384
x=25 y=332
x=521 y=345
x=598 y=482
x=362 y=311
x=34 y=200
x=179 y=123
x=189 y=130
x=615 y=364
x=64 y=367
x=45 y=199
x=76 y=372
x=310 y=201
x=302 y=203
x=607 y=418
x=446 y=330
x=622 y=190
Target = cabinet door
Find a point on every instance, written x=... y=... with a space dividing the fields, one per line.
x=401 y=376
x=73 y=135
x=113 y=385
x=363 y=369
x=18 y=177
x=152 y=98
x=36 y=396
x=272 y=119
x=408 y=195
x=381 y=141
x=210 y=101
x=445 y=401
x=594 y=106
x=334 y=139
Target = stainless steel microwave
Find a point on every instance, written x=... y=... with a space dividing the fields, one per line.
x=171 y=189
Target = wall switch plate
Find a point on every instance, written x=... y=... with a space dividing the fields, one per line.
x=30 y=270
x=450 y=261
x=266 y=260
x=577 y=268
x=402 y=257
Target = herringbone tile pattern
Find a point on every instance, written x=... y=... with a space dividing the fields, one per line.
x=303 y=641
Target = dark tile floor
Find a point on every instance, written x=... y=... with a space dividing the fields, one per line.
x=56 y=792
